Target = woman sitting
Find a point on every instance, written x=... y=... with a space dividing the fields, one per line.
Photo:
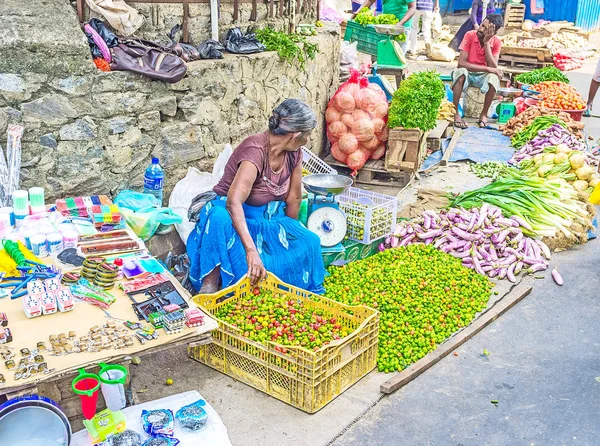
x=248 y=223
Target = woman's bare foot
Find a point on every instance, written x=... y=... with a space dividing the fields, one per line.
x=210 y=284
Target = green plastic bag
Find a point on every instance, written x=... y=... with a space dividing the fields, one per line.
x=143 y=213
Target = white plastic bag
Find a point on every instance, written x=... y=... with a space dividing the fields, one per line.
x=436 y=23
x=194 y=183
x=348 y=59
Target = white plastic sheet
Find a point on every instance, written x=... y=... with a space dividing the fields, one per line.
x=194 y=183
x=213 y=434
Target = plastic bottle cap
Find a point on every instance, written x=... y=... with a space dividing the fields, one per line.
x=154 y=160
x=118 y=262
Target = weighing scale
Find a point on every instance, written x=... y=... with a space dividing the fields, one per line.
x=507 y=109
x=324 y=215
x=389 y=51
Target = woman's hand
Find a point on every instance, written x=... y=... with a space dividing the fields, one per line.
x=256 y=269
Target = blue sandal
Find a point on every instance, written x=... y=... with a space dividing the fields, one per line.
x=587 y=113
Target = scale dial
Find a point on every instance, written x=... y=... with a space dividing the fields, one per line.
x=329 y=224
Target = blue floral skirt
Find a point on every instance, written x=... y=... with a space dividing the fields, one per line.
x=286 y=248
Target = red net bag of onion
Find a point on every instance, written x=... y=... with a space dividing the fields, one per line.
x=356 y=119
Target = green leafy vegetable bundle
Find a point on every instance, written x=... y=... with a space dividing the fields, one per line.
x=550 y=73
x=417 y=101
x=290 y=47
x=365 y=17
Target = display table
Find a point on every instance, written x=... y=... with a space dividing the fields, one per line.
x=214 y=433
x=28 y=332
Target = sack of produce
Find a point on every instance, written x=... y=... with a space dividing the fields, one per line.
x=441 y=52
x=568 y=60
x=356 y=119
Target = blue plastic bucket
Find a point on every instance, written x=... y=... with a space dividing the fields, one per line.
x=33 y=421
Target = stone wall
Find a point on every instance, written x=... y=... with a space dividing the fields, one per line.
x=89 y=132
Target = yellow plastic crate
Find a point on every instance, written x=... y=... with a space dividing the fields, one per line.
x=303 y=378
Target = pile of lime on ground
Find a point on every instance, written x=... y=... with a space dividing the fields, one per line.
x=424 y=295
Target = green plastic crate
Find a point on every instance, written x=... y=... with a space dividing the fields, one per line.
x=368 y=39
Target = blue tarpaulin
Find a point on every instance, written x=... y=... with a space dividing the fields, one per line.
x=476 y=145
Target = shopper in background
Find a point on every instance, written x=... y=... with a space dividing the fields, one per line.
x=594 y=84
x=472 y=23
x=425 y=10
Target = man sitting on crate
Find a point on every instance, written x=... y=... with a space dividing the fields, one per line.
x=478 y=66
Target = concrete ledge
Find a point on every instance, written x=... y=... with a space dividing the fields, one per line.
x=41 y=36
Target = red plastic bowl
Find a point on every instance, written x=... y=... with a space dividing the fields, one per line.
x=575 y=114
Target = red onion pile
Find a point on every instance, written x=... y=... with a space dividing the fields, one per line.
x=485 y=240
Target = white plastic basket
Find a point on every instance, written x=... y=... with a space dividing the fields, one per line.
x=313 y=164
x=369 y=215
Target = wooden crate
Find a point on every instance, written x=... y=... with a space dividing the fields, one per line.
x=514 y=15
x=374 y=173
x=406 y=148
x=442 y=130
x=527 y=63
x=535 y=54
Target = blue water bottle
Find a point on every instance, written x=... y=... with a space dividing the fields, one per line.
x=154 y=179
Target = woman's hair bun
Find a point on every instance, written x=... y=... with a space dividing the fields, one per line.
x=274 y=121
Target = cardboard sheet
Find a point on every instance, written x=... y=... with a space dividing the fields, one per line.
x=28 y=332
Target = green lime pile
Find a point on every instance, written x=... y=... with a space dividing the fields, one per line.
x=489 y=169
x=424 y=296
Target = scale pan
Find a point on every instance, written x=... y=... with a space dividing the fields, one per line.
x=326 y=183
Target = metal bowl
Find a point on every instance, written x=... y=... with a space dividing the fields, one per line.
x=510 y=92
x=326 y=183
x=392 y=30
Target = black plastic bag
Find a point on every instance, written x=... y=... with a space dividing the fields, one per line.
x=211 y=49
x=108 y=36
x=238 y=43
x=184 y=50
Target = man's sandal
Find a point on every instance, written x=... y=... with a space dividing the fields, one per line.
x=460 y=124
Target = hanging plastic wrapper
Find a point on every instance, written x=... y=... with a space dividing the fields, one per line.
x=10 y=166
x=161 y=441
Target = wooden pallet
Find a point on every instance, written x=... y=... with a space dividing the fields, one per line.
x=442 y=130
x=538 y=54
x=374 y=173
x=514 y=15
x=529 y=63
